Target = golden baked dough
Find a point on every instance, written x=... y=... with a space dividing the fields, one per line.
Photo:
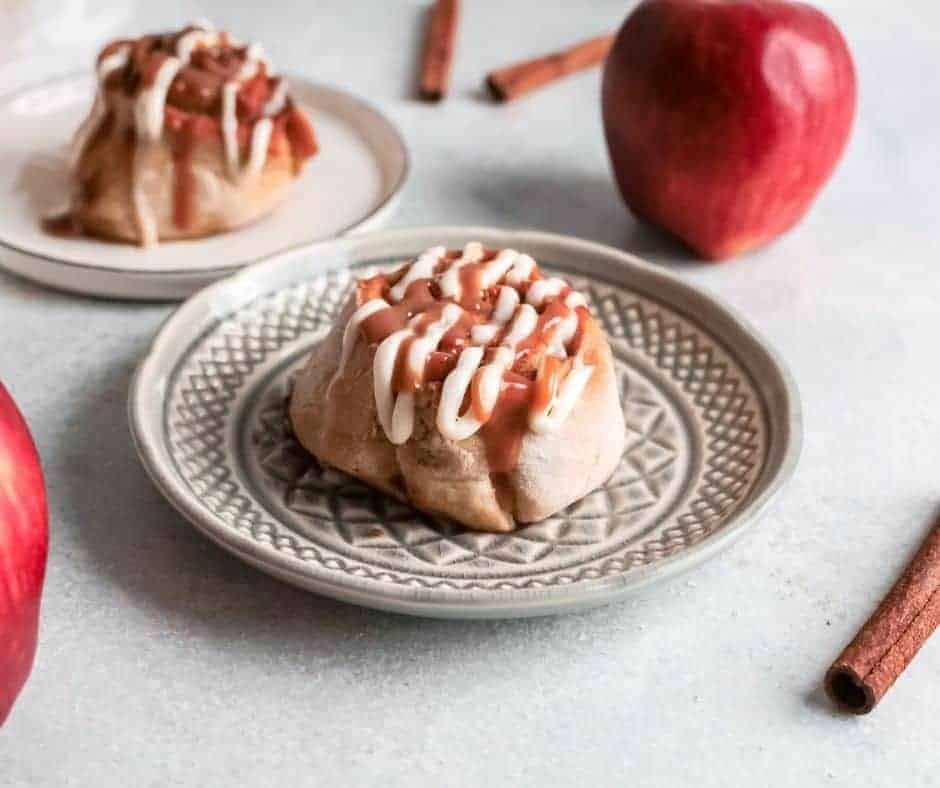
x=506 y=407
x=190 y=134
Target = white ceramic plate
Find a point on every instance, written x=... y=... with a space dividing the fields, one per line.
x=713 y=430
x=353 y=184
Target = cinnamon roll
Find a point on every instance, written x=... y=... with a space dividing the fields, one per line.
x=468 y=383
x=191 y=133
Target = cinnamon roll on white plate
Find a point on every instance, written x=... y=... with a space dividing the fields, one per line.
x=191 y=133
x=468 y=383
x=184 y=136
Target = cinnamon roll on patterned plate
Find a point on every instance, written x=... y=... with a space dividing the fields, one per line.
x=191 y=133
x=468 y=383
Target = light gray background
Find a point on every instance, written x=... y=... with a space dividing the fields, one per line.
x=163 y=661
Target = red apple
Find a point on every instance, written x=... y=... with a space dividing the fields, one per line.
x=24 y=542
x=724 y=118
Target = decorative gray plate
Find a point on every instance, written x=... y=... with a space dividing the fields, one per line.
x=712 y=420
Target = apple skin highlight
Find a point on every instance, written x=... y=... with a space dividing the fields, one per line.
x=24 y=544
x=724 y=118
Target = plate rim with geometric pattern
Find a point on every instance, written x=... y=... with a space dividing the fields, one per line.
x=269 y=310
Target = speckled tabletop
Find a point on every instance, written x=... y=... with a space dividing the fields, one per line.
x=163 y=661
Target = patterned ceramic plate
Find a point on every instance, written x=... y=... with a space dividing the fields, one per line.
x=712 y=419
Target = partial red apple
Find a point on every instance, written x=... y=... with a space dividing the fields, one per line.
x=724 y=118
x=24 y=542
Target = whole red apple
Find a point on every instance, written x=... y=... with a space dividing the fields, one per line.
x=724 y=118
x=24 y=542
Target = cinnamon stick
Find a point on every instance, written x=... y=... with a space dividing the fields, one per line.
x=885 y=646
x=439 y=49
x=509 y=83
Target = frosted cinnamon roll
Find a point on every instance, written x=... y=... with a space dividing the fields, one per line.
x=191 y=133
x=469 y=384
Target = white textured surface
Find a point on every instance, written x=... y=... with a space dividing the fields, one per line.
x=163 y=661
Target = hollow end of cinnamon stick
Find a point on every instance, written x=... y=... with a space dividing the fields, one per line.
x=511 y=82
x=438 y=54
x=848 y=691
x=432 y=94
x=496 y=89
x=883 y=648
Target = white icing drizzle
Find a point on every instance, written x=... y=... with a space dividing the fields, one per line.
x=148 y=109
x=230 y=126
x=253 y=57
x=510 y=314
x=114 y=61
x=278 y=100
x=422 y=268
x=522 y=326
x=560 y=331
x=351 y=334
x=260 y=134
x=383 y=371
x=539 y=292
x=450 y=281
x=506 y=303
x=574 y=299
x=563 y=400
x=148 y=122
x=521 y=271
x=451 y=425
x=203 y=37
x=403 y=418
x=495 y=270
x=491 y=378
x=247 y=71
x=202 y=23
x=260 y=139
x=428 y=342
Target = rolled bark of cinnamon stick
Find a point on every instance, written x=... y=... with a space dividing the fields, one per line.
x=439 y=49
x=508 y=83
x=885 y=646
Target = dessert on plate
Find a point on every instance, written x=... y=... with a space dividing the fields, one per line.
x=191 y=133
x=469 y=384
